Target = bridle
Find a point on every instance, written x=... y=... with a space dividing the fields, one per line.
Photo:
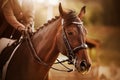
x=71 y=52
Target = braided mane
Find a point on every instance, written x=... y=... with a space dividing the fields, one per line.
x=47 y=23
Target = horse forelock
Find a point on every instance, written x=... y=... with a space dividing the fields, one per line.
x=70 y=17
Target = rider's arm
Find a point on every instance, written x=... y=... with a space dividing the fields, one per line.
x=9 y=16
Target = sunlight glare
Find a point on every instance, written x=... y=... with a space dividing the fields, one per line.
x=40 y=1
x=53 y=2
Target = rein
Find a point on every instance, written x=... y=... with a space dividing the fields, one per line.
x=37 y=58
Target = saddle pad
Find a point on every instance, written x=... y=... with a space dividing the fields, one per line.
x=4 y=42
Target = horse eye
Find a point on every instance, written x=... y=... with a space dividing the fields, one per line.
x=70 y=33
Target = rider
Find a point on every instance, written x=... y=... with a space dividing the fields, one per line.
x=15 y=17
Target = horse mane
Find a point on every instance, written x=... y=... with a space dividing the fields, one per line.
x=47 y=23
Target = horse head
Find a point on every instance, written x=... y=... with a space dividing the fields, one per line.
x=71 y=40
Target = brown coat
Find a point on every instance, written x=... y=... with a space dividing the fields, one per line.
x=16 y=14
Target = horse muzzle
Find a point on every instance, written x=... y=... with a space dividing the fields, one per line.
x=82 y=67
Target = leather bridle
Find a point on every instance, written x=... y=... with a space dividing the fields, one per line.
x=71 y=52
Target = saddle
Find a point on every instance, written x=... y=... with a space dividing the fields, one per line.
x=5 y=55
x=8 y=51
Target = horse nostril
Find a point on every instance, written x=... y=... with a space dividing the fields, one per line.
x=83 y=64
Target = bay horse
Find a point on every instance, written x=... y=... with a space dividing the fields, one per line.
x=65 y=34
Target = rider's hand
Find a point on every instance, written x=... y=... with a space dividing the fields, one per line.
x=29 y=27
x=21 y=28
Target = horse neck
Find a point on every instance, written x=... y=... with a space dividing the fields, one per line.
x=44 y=41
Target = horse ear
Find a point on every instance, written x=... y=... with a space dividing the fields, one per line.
x=62 y=13
x=82 y=12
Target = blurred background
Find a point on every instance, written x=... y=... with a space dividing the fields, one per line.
x=103 y=25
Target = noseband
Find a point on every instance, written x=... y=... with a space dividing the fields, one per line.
x=71 y=52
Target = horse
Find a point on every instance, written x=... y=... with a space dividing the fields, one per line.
x=64 y=34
